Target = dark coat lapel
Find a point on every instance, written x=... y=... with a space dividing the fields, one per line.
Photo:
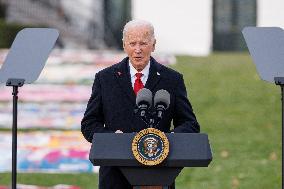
x=122 y=74
x=154 y=74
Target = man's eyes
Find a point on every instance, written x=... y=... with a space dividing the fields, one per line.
x=142 y=44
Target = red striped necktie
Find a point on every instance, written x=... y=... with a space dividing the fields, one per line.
x=138 y=83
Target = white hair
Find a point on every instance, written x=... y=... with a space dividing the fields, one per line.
x=138 y=23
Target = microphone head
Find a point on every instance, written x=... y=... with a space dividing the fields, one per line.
x=144 y=96
x=162 y=97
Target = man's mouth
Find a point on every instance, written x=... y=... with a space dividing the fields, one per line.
x=138 y=58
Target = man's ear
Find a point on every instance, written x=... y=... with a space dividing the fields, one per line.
x=154 y=45
x=123 y=45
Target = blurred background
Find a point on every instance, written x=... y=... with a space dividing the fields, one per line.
x=201 y=39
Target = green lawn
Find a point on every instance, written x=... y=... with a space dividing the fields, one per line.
x=240 y=113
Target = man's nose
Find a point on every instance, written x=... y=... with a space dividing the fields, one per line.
x=137 y=48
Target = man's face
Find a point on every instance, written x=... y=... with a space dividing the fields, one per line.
x=138 y=44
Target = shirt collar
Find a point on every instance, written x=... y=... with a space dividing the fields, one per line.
x=133 y=71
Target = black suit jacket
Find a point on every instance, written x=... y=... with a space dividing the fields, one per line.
x=112 y=103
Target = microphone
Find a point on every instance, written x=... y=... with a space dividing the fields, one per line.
x=161 y=102
x=144 y=100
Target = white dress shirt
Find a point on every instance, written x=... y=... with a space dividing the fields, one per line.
x=145 y=73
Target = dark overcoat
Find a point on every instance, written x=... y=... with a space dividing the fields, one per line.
x=112 y=103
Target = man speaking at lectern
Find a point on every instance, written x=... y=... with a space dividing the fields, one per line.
x=112 y=102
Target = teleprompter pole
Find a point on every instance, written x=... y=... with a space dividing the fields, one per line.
x=280 y=81
x=15 y=83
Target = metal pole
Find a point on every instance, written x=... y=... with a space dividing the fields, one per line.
x=282 y=99
x=280 y=81
x=14 y=137
x=15 y=83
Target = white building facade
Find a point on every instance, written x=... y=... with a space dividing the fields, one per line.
x=196 y=27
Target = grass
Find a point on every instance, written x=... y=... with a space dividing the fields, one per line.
x=242 y=117
x=84 y=180
x=240 y=113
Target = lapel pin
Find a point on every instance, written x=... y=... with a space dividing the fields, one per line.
x=119 y=73
x=158 y=73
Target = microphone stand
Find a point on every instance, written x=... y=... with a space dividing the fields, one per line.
x=148 y=117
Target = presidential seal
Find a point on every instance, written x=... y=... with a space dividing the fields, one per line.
x=150 y=146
